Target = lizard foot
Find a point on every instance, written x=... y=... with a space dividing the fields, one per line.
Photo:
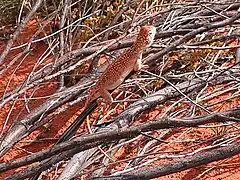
x=101 y=101
x=145 y=67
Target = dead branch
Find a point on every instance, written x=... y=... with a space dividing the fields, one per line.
x=90 y=141
x=181 y=165
x=159 y=97
x=18 y=30
x=191 y=35
x=177 y=24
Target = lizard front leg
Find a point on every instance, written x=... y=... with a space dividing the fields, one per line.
x=138 y=65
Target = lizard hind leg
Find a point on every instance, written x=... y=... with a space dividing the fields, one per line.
x=106 y=96
x=93 y=94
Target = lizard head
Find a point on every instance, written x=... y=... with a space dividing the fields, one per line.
x=146 y=35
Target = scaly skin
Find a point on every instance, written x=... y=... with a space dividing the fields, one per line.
x=117 y=71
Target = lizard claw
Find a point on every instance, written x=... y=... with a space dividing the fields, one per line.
x=101 y=101
x=145 y=66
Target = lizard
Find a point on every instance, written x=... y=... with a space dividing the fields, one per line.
x=113 y=76
x=116 y=72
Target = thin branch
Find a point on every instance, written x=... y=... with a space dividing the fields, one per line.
x=93 y=140
x=18 y=30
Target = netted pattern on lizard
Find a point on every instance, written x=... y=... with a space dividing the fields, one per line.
x=122 y=66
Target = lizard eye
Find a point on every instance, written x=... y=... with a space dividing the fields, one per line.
x=150 y=31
